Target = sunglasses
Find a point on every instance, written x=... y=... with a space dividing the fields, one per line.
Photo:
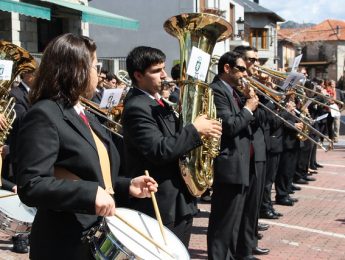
x=240 y=68
x=252 y=60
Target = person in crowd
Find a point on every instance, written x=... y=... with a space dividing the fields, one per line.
x=235 y=164
x=110 y=80
x=175 y=91
x=97 y=96
x=67 y=164
x=154 y=140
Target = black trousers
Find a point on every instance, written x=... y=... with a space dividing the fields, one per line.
x=286 y=170
x=271 y=172
x=227 y=206
x=303 y=160
x=182 y=229
x=247 y=234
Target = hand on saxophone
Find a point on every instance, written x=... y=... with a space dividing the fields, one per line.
x=208 y=127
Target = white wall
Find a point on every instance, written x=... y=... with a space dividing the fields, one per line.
x=151 y=15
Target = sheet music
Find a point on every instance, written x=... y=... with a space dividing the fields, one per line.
x=6 y=69
x=111 y=97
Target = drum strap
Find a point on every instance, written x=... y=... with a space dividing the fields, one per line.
x=104 y=162
x=61 y=173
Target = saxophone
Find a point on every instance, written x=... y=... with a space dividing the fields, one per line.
x=22 y=62
x=203 y=31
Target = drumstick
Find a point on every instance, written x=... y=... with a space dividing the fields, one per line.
x=143 y=235
x=8 y=195
x=158 y=215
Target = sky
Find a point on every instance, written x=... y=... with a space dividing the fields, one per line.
x=306 y=11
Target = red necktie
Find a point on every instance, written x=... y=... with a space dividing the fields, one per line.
x=83 y=116
x=160 y=102
x=251 y=150
x=234 y=94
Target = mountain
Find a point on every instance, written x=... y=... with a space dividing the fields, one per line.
x=292 y=24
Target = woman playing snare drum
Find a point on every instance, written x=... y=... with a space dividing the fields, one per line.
x=66 y=160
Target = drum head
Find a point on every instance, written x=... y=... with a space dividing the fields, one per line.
x=15 y=209
x=137 y=244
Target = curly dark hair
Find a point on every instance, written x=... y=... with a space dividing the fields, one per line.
x=64 y=72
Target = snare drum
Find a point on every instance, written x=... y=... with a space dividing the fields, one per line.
x=117 y=241
x=15 y=217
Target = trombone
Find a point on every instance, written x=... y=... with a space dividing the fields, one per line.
x=282 y=76
x=103 y=113
x=255 y=85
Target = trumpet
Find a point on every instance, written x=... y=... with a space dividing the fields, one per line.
x=281 y=76
x=113 y=126
x=247 y=82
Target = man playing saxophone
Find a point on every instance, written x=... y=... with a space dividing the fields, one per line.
x=155 y=141
x=235 y=164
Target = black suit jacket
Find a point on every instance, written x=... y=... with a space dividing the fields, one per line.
x=53 y=135
x=154 y=142
x=232 y=164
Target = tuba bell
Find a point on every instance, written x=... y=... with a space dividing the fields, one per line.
x=202 y=31
x=22 y=62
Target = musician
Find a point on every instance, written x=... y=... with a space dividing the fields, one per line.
x=288 y=160
x=21 y=95
x=97 y=97
x=249 y=223
x=67 y=164
x=154 y=141
x=233 y=166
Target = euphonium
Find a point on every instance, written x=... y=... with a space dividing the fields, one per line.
x=196 y=98
x=22 y=62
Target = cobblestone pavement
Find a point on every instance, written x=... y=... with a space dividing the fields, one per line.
x=312 y=229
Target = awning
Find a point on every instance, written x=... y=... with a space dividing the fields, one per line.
x=25 y=9
x=99 y=17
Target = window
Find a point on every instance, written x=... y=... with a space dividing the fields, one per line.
x=258 y=38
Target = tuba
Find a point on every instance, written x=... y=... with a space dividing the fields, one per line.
x=202 y=31
x=22 y=62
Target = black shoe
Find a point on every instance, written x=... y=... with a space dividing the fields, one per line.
x=260 y=251
x=262 y=226
x=293 y=199
x=294 y=187
x=308 y=178
x=291 y=192
x=268 y=214
x=248 y=257
x=20 y=244
x=278 y=214
x=284 y=201
x=318 y=165
x=259 y=236
x=206 y=198
x=301 y=181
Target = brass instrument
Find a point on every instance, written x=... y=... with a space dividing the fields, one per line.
x=279 y=77
x=112 y=125
x=304 y=120
x=22 y=62
x=123 y=76
x=202 y=31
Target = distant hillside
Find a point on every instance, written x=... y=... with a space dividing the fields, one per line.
x=292 y=24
